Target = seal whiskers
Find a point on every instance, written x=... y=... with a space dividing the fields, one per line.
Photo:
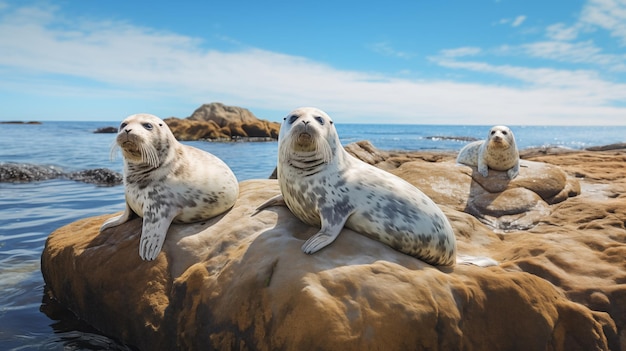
x=149 y=155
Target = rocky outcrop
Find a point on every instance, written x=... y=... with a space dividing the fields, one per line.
x=240 y=281
x=20 y=122
x=216 y=121
x=106 y=130
x=24 y=173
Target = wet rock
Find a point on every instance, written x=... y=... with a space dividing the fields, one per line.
x=99 y=176
x=24 y=173
x=105 y=130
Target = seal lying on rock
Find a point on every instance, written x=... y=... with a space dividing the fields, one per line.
x=325 y=186
x=166 y=181
x=498 y=152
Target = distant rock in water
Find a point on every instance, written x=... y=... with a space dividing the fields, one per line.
x=455 y=138
x=100 y=176
x=19 y=122
x=616 y=146
x=216 y=121
x=25 y=173
x=106 y=130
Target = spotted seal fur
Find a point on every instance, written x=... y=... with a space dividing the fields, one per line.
x=323 y=185
x=166 y=181
x=499 y=152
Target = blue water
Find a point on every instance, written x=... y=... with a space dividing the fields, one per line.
x=31 y=211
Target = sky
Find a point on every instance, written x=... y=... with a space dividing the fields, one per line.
x=458 y=62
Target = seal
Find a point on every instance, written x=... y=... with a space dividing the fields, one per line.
x=166 y=181
x=324 y=186
x=498 y=152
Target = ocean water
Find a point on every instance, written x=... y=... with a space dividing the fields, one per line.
x=29 y=212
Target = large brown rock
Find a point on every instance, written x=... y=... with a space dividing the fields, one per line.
x=240 y=281
x=216 y=121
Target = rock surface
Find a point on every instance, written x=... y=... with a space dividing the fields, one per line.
x=106 y=130
x=216 y=121
x=24 y=173
x=240 y=281
x=20 y=122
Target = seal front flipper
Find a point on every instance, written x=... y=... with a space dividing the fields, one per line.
x=513 y=172
x=324 y=237
x=483 y=169
x=121 y=219
x=275 y=201
x=153 y=232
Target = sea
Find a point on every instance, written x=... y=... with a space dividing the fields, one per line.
x=29 y=212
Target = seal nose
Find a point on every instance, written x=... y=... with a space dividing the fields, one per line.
x=127 y=130
x=306 y=123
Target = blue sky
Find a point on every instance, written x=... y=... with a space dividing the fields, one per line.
x=514 y=62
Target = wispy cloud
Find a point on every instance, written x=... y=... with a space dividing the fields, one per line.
x=560 y=31
x=607 y=14
x=518 y=21
x=460 y=52
x=513 y=22
x=386 y=49
x=583 y=52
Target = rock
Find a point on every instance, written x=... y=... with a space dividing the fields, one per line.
x=616 y=146
x=20 y=122
x=447 y=137
x=100 y=176
x=222 y=115
x=216 y=121
x=105 y=130
x=240 y=281
x=25 y=173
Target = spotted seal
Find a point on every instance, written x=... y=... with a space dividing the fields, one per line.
x=324 y=186
x=166 y=181
x=498 y=152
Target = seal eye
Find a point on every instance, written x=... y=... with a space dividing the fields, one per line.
x=123 y=125
x=148 y=126
x=504 y=132
x=292 y=119
x=319 y=120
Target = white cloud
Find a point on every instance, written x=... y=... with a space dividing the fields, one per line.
x=514 y=22
x=580 y=52
x=113 y=59
x=560 y=31
x=461 y=52
x=607 y=14
x=518 y=21
x=386 y=49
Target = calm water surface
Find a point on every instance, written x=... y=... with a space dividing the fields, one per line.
x=30 y=212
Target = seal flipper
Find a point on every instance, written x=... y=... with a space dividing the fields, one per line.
x=513 y=172
x=121 y=219
x=275 y=201
x=483 y=169
x=153 y=232
x=323 y=238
